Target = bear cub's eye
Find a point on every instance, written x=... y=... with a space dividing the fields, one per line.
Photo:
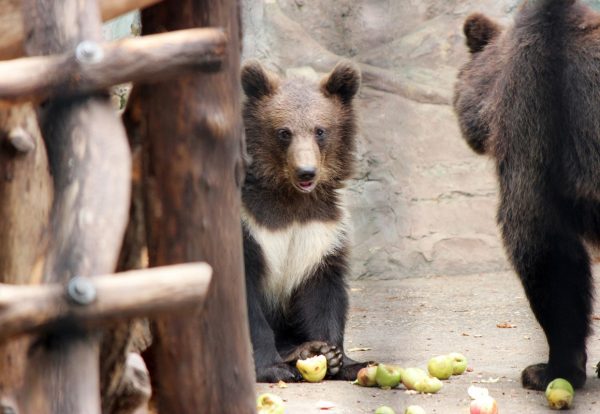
x=284 y=134
x=320 y=133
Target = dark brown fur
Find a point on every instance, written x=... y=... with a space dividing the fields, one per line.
x=529 y=97
x=300 y=138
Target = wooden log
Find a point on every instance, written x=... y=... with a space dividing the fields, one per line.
x=96 y=66
x=193 y=173
x=129 y=336
x=91 y=166
x=25 y=201
x=148 y=292
x=11 y=21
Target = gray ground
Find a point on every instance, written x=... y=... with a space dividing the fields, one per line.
x=408 y=321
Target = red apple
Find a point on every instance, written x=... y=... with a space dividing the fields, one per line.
x=484 y=405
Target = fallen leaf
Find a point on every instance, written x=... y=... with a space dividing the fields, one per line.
x=465 y=334
x=505 y=325
x=359 y=349
x=596 y=317
x=325 y=405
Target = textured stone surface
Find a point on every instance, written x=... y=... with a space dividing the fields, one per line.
x=422 y=203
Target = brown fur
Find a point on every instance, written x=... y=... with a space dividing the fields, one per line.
x=300 y=138
x=529 y=97
x=299 y=106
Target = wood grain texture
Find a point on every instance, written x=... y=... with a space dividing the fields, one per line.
x=24 y=181
x=147 y=292
x=11 y=22
x=193 y=173
x=91 y=166
x=142 y=59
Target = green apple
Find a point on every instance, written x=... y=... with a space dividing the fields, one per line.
x=410 y=376
x=268 y=403
x=388 y=376
x=384 y=409
x=440 y=367
x=414 y=409
x=313 y=369
x=559 y=394
x=366 y=376
x=459 y=363
x=428 y=385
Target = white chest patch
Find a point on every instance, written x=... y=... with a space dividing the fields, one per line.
x=292 y=254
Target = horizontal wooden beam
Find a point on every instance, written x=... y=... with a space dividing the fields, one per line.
x=11 y=21
x=96 y=66
x=100 y=300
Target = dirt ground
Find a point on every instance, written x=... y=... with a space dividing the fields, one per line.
x=408 y=321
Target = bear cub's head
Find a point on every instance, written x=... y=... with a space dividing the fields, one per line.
x=300 y=135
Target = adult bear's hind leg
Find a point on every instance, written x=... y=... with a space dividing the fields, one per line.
x=554 y=268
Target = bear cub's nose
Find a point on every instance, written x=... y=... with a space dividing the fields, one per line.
x=306 y=173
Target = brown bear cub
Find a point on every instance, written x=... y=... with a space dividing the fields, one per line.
x=529 y=97
x=300 y=139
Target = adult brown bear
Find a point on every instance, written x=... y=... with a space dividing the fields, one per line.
x=301 y=138
x=530 y=98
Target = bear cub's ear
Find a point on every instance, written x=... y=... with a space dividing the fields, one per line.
x=343 y=81
x=479 y=30
x=257 y=81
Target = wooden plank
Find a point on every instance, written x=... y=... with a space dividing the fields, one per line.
x=147 y=292
x=193 y=177
x=96 y=66
x=11 y=21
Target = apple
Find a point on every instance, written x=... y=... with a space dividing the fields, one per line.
x=559 y=394
x=388 y=376
x=411 y=376
x=440 y=367
x=428 y=385
x=484 y=405
x=268 y=403
x=384 y=409
x=313 y=369
x=414 y=409
x=459 y=363
x=366 y=376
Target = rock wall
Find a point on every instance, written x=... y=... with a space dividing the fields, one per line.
x=422 y=202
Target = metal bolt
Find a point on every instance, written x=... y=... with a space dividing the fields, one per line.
x=89 y=51
x=81 y=290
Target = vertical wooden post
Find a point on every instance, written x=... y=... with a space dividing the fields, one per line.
x=90 y=163
x=200 y=362
x=25 y=200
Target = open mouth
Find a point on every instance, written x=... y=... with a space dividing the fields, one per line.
x=306 y=186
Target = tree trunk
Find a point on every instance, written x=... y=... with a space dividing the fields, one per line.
x=90 y=162
x=25 y=201
x=200 y=362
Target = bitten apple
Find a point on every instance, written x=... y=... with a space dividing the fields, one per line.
x=313 y=369
x=366 y=376
x=388 y=376
x=268 y=403
x=559 y=394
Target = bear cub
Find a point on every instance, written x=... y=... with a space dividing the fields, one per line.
x=529 y=98
x=300 y=139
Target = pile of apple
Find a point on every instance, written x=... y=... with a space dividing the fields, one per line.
x=389 y=376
